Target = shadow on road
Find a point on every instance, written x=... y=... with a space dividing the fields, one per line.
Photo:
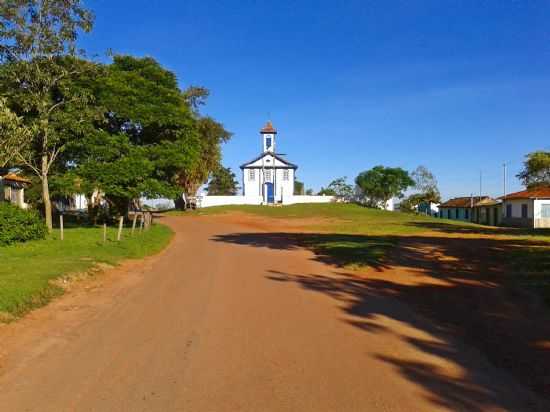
x=468 y=288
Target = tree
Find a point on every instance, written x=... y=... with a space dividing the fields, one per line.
x=223 y=183
x=338 y=187
x=380 y=184
x=309 y=192
x=35 y=36
x=536 y=169
x=426 y=184
x=298 y=187
x=147 y=136
x=12 y=133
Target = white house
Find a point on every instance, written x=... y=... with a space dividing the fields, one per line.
x=12 y=187
x=528 y=208
x=267 y=179
x=269 y=176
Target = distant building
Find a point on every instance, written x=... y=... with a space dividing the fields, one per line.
x=487 y=212
x=460 y=208
x=269 y=176
x=12 y=187
x=528 y=208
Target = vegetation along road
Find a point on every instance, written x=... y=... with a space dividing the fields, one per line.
x=304 y=308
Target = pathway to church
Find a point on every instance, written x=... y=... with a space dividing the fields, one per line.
x=221 y=321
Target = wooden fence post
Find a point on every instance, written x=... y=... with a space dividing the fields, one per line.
x=120 y=222
x=134 y=223
x=104 y=232
x=61 y=225
x=141 y=222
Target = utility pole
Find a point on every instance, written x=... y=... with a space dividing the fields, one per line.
x=505 y=178
x=480 y=184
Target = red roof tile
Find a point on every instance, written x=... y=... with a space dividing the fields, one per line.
x=268 y=128
x=542 y=192
x=15 y=178
x=463 y=201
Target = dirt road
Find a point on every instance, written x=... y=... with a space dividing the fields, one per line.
x=217 y=325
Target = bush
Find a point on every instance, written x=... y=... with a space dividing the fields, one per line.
x=18 y=225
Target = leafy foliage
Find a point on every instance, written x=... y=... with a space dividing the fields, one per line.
x=223 y=182
x=298 y=187
x=18 y=225
x=380 y=184
x=38 y=45
x=536 y=169
x=338 y=187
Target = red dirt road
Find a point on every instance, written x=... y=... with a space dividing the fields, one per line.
x=211 y=325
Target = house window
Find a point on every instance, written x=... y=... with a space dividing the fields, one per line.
x=449 y=213
x=456 y=213
x=286 y=174
x=524 y=210
x=509 y=211
x=467 y=213
x=268 y=175
x=251 y=174
x=545 y=210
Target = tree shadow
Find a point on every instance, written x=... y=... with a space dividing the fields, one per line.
x=466 y=289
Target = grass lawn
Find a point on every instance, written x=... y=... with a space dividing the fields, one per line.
x=354 y=236
x=27 y=269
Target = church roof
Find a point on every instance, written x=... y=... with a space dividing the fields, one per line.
x=276 y=156
x=268 y=128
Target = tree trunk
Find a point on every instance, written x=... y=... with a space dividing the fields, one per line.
x=46 y=193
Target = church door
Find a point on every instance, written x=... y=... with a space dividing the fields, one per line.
x=270 y=192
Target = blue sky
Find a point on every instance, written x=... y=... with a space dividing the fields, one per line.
x=457 y=86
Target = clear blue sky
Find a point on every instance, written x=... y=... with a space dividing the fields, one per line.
x=457 y=86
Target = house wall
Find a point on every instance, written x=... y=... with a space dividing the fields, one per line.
x=462 y=215
x=254 y=188
x=539 y=220
x=516 y=218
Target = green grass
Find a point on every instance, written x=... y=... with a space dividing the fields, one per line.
x=354 y=236
x=28 y=269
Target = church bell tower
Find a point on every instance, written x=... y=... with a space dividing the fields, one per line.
x=268 y=133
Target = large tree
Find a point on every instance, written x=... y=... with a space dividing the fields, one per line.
x=36 y=37
x=12 y=132
x=223 y=182
x=148 y=135
x=380 y=184
x=536 y=169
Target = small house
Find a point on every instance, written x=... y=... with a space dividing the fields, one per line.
x=459 y=208
x=487 y=212
x=12 y=188
x=528 y=208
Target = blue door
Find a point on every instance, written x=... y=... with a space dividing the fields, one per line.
x=270 y=192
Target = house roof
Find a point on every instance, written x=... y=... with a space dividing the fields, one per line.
x=487 y=202
x=268 y=128
x=15 y=178
x=275 y=155
x=464 y=201
x=542 y=192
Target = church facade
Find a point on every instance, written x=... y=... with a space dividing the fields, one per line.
x=269 y=176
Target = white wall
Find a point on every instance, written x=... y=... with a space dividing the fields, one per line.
x=310 y=199
x=540 y=222
x=516 y=208
x=209 y=201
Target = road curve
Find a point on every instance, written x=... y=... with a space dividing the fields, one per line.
x=219 y=322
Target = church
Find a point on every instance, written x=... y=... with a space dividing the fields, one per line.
x=269 y=176
x=268 y=179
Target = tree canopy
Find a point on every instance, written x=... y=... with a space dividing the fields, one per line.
x=223 y=183
x=339 y=188
x=379 y=184
x=536 y=169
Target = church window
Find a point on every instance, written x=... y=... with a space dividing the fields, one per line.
x=286 y=174
x=251 y=174
x=268 y=142
x=268 y=175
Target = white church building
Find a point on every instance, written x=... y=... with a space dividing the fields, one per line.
x=266 y=179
